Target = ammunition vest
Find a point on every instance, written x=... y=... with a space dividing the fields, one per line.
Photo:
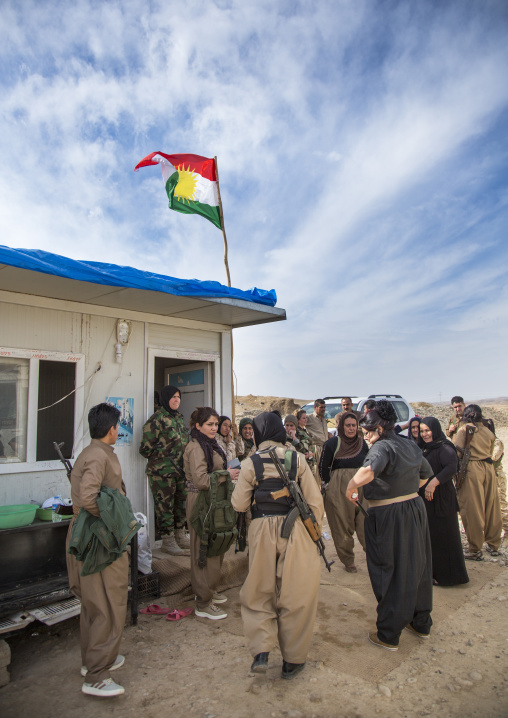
x=213 y=517
x=263 y=502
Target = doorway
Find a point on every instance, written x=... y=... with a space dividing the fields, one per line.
x=194 y=379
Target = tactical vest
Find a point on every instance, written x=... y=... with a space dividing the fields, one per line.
x=213 y=517
x=264 y=499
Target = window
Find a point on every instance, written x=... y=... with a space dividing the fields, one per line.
x=32 y=412
x=56 y=423
x=13 y=409
x=401 y=410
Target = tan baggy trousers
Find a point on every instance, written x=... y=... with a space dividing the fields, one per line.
x=501 y=487
x=103 y=597
x=317 y=450
x=479 y=506
x=343 y=517
x=205 y=580
x=280 y=595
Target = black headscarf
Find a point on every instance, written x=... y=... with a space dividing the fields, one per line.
x=268 y=427
x=410 y=435
x=208 y=446
x=167 y=393
x=438 y=436
x=222 y=419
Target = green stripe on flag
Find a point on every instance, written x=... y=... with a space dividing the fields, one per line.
x=210 y=212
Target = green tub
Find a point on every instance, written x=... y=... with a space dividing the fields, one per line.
x=17 y=515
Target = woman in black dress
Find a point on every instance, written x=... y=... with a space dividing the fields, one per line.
x=396 y=530
x=448 y=566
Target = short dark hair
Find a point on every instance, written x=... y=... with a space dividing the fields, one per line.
x=319 y=402
x=300 y=413
x=101 y=419
x=201 y=415
x=347 y=397
x=457 y=400
x=370 y=404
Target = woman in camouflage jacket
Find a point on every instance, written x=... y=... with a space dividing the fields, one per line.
x=165 y=437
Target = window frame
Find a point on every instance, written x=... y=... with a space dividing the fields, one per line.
x=34 y=356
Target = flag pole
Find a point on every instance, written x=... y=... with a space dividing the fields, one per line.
x=222 y=224
x=229 y=284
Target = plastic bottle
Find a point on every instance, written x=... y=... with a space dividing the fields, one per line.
x=55 y=517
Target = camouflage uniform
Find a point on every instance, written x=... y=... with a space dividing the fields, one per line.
x=497 y=456
x=165 y=438
x=305 y=444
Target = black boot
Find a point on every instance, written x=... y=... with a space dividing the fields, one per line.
x=260 y=663
x=290 y=670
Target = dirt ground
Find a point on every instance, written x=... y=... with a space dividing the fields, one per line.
x=200 y=669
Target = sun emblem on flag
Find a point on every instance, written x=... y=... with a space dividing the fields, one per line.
x=187 y=183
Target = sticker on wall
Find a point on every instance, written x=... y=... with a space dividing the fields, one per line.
x=126 y=409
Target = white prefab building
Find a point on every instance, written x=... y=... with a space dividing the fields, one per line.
x=74 y=334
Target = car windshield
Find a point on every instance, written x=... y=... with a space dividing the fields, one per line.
x=330 y=411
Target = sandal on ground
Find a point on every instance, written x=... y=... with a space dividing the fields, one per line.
x=493 y=551
x=155 y=610
x=177 y=615
x=473 y=555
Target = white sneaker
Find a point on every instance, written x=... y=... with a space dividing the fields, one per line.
x=119 y=661
x=212 y=611
x=105 y=689
x=219 y=598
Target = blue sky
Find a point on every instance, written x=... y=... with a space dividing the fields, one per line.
x=363 y=159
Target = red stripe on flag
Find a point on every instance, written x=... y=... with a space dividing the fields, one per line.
x=205 y=166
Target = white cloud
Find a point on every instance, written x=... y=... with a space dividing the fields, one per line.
x=359 y=158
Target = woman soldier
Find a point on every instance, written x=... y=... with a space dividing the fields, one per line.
x=165 y=437
x=396 y=530
x=247 y=434
x=342 y=456
x=478 y=498
x=203 y=456
x=280 y=595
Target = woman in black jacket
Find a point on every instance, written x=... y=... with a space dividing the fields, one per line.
x=448 y=566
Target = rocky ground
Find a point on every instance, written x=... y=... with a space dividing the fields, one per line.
x=200 y=669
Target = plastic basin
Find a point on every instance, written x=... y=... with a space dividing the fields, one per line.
x=45 y=514
x=11 y=517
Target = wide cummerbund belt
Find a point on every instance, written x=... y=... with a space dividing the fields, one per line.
x=396 y=500
x=276 y=511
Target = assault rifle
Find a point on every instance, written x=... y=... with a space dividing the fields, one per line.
x=241 y=539
x=300 y=508
x=65 y=462
x=465 y=457
x=178 y=469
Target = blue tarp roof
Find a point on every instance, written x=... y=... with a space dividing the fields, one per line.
x=113 y=275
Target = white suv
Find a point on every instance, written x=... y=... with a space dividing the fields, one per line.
x=333 y=406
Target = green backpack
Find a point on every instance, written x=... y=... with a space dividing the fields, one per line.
x=213 y=518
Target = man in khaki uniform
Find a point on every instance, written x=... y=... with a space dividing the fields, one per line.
x=103 y=595
x=317 y=427
x=478 y=496
x=456 y=421
x=280 y=595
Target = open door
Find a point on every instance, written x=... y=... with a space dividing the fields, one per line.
x=194 y=382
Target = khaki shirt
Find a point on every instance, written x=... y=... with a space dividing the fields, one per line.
x=96 y=466
x=317 y=428
x=453 y=434
x=242 y=495
x=194 y=464
x=482 y=443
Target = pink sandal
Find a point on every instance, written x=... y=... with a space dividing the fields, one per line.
x=177 y=615
x=155 y=610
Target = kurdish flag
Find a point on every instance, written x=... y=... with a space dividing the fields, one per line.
x=191 y=183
